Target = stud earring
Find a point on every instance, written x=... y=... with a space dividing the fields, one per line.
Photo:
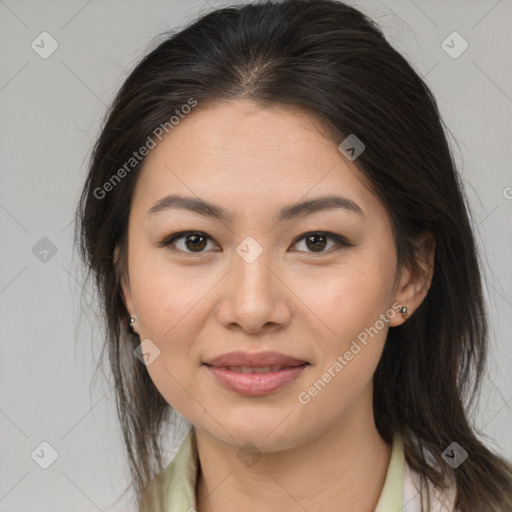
x=132 y=321
x=403 y=310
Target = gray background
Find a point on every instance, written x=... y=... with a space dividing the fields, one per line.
x=51 y=112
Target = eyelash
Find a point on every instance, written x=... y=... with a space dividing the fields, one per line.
x=340 y=241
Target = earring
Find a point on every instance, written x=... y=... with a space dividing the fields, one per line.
x=403 y=310
x=132 y=321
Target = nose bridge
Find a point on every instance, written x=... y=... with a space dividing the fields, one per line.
x=254 y=296
x=252 y=266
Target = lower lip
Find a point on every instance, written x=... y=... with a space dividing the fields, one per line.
x=256 y=383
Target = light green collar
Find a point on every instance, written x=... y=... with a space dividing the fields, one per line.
x=179 y=478
x=391 y=496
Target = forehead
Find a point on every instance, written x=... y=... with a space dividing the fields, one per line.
x=245 y=129
x=239 y=153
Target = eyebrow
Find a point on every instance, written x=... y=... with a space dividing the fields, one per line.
x=290 y=212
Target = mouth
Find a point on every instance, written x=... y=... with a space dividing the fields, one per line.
x=247 y=380
x=254 y=360
x=255 y=369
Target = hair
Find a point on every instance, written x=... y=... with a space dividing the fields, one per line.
x=334 y=62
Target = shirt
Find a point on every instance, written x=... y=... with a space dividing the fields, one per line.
x=400 y=492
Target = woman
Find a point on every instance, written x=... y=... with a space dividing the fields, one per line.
x=284 y=256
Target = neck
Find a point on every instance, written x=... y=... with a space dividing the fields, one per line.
x=342 y=469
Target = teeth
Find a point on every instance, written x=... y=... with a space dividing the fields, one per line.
x=248 y=369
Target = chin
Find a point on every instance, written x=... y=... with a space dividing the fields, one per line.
x=266 y=434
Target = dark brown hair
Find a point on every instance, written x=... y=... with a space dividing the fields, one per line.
x=331 y=60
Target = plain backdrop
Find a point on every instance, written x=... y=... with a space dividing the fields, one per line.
x=51 y=109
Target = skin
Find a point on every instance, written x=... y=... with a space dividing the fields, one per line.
x=324 y=455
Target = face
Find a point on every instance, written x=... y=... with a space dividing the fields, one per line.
x=255 y=282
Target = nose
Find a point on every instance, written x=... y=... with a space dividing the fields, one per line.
x=254 y=296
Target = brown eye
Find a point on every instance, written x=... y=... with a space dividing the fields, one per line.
x=317 y=242
x=192 y=242
x=195 y=242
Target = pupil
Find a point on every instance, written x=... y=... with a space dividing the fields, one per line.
x=194 y=238
x=316 y=245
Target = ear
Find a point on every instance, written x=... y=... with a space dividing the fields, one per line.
x=125 y=284
x=415 y=279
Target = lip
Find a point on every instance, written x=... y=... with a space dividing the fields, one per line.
x=254 y=359
x=256 y=383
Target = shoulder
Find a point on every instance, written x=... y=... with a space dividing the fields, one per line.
x=173 y=488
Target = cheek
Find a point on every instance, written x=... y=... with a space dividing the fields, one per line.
x=170 y=306
x=351 y=306
x=349 y=298
x=173 y=382
x=166 y=297
x=350 y=351
x=173 y=323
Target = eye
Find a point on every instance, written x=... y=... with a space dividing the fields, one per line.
x=317 y=241
x=193 y=241
x=196 y=241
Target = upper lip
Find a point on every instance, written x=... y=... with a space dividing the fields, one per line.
x=254 y=360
